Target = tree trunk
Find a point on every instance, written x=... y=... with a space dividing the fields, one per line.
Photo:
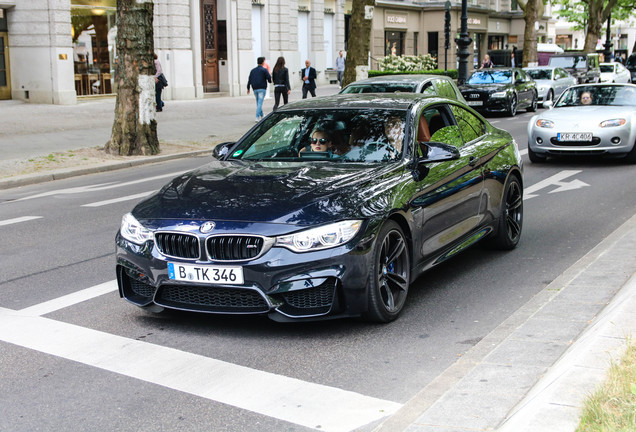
x=134 y=128
x=359 y=40
x=598 y=15
x=530 y=16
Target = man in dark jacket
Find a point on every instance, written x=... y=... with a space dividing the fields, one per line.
x=309 y=79
x=259 y=77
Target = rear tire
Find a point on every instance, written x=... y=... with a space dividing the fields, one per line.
x=390 y=274
x=533 y=106
x=510 y=217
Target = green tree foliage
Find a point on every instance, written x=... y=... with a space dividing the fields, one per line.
x=591 y=15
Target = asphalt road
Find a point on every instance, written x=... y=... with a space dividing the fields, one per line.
x=58 y=239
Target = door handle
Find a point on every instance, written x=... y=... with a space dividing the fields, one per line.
x=473 y=161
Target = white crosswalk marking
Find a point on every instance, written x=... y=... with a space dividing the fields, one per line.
x=116 y=200
x=307 y=404
x=18 y=220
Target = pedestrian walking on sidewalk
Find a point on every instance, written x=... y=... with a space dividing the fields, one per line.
x=258 y=80
x=160 y=83
x=309 y=80
x=340 y=67
x=280 y=78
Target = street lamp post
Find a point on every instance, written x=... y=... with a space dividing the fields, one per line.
x=608 y=40
x=462 y=44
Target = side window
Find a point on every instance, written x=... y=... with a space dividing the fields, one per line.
x=437 y=124
x=470 y=125
x=445 y=89
x=429 y=89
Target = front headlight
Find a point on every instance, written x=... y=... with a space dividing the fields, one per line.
x=323 y=237
x=133 y=231
x=613 y=123
x=498 y=94
x=542 y=123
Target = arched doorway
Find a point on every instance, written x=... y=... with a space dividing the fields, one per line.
x=209 y=42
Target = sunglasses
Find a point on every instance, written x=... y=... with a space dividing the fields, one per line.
x=321 y=140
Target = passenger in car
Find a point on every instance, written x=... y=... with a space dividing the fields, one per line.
x=394 y=130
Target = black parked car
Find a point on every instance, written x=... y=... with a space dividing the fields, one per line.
x=630 y=64
x=500 y=90
x=401 y=183
x=585 y=67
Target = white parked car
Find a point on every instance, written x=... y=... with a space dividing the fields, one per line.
x=551 y=81
x=615 y=73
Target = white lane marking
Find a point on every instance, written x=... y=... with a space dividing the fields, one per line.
x=116 y=200
x=523 y=152
x=555 y=180
x=307 y=404
x=96 y=187
x=70 y=299
x=18 y=220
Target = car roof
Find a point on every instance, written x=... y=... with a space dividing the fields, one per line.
x=393 y=101
x=541 y=67
x=401 y=79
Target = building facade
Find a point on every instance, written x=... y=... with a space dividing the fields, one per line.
x=56 y=51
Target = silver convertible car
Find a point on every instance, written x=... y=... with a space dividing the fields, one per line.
x=588 y=119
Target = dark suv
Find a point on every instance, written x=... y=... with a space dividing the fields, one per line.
x=584 y=67
x=631 y=65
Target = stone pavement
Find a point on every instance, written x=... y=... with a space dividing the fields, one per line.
x=531 y=373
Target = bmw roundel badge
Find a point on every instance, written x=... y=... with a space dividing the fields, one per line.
x=206 y=227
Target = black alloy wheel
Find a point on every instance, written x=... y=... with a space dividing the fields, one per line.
x=390 y=274
x=533 y=105
x=512 y=108
x=511 y=217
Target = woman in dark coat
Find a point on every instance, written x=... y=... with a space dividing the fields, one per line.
x=280 y=77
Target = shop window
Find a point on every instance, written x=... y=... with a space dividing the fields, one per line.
x=433 y=43
x=495 y=42
x=394 y=43
x=94 y=36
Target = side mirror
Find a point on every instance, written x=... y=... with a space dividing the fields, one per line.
x=222 y=150
x=548 y=104
x=438 y=152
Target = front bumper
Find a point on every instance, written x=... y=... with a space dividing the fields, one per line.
x=612 y=142
x=280 y=283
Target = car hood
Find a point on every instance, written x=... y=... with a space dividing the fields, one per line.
x=584 y=117
x=485 y=87
x=290 y=193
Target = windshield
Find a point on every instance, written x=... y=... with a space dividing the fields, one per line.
x=607 y=68
x=345 y=135
x=379 y=88
x=490 y=77
x=539 y=74
x=576 y=61
x=614 y=95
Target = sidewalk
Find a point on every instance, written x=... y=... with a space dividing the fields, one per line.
x=530 y=374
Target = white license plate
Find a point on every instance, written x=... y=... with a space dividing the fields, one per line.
x=574 y=136
x=475 y=103
x=206 y=274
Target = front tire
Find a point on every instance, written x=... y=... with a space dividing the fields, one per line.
x=548 y=97
x=510 y=217
x=535 y=157
x=512 y=108
x=389 y=278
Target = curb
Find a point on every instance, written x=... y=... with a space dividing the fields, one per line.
x=29 y=179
